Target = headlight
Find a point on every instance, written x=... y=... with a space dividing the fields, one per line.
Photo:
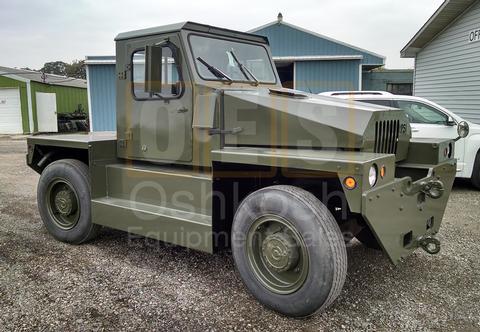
x=372 y=175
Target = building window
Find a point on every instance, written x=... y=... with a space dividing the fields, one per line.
x=170 y=75
x=400 y=88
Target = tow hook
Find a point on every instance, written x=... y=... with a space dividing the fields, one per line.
x=430 y=244
x=433 y=189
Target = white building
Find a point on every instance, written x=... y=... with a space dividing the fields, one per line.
x=447 y=53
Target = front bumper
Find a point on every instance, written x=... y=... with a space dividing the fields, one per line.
x=402 y=213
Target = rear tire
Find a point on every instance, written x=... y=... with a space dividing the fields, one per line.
x=63 y=197
x=476 y=172
x=289 y=250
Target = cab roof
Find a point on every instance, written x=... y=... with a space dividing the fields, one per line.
x=192 y=26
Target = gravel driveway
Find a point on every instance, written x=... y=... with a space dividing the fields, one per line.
x=122 y=283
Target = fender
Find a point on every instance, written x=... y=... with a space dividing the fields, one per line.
x=472 y=147
x=342 y=163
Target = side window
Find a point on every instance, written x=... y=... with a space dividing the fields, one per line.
x=422 y=113
x=400 y=88
x=170 y=75
x=381 y=102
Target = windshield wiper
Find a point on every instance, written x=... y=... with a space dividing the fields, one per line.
x=214 y=70
x=244 y=70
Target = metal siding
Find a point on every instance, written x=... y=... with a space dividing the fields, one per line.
x=321 y=76
x=68 y=98
x=102 y=84
x=287 y=41
x=447 y=70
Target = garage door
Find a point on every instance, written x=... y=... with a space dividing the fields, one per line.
x=10 y=112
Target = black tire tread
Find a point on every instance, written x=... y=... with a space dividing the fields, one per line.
x=476 y=172
x=83 y=171
x=336 y=240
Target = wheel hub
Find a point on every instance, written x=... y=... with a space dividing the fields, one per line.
x=65 y=202
x=280 y=251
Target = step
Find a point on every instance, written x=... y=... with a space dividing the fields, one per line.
x=188 y=229
x=171 y=187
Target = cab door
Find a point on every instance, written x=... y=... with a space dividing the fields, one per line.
x=158 y=126
x=429 y=122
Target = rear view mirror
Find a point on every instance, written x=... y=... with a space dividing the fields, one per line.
x=450 y=121
x=153 y=69
x=463 y=129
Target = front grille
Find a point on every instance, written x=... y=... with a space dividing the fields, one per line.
x=386 y=136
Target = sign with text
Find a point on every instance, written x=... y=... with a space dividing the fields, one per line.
x=474 y=36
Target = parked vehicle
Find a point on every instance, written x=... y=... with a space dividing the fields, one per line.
x=212 y=153
x=73 y=122
x=429 y=120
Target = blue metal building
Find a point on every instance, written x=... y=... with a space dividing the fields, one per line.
x=311 y=62
x=305 y=60
x=101 y=92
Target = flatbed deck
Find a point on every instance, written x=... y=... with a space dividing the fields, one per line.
x=77 y=140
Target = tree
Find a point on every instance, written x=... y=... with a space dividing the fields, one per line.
x=55 y=67
x=75 y=69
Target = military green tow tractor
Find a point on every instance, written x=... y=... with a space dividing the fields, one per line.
x=211 y=153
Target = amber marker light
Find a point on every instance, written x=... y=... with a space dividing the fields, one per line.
x=383 y=171
x=350 y=183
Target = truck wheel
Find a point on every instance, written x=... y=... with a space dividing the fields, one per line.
x=366 y=237
x=476 y=172
x=63 y=197
x=289 y=250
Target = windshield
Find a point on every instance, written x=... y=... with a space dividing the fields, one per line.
x=218 y=54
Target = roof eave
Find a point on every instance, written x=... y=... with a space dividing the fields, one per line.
x=316 y=34
x=192 y=26
x=410 y=52
x=411 y=49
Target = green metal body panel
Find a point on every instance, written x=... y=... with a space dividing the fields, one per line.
x=155 y=177
x=165 y=203
x=270 y=119
x=76 y=141
x=393 y=212
x=152 y=129
x=429 y=151
x=340 y=163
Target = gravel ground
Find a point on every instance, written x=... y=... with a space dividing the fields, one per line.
x=120 y=283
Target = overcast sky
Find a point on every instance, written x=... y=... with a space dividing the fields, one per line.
x=35 y=32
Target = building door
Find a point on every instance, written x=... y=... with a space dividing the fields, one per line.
x=286 y=73
x=10 y=112
x=47 y=112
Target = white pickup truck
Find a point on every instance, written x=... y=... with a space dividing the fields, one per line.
x=429 y=119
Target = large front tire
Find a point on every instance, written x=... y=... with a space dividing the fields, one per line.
x=63 y=197
x=289 y=250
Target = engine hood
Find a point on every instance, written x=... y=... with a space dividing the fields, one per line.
x=294 y=119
